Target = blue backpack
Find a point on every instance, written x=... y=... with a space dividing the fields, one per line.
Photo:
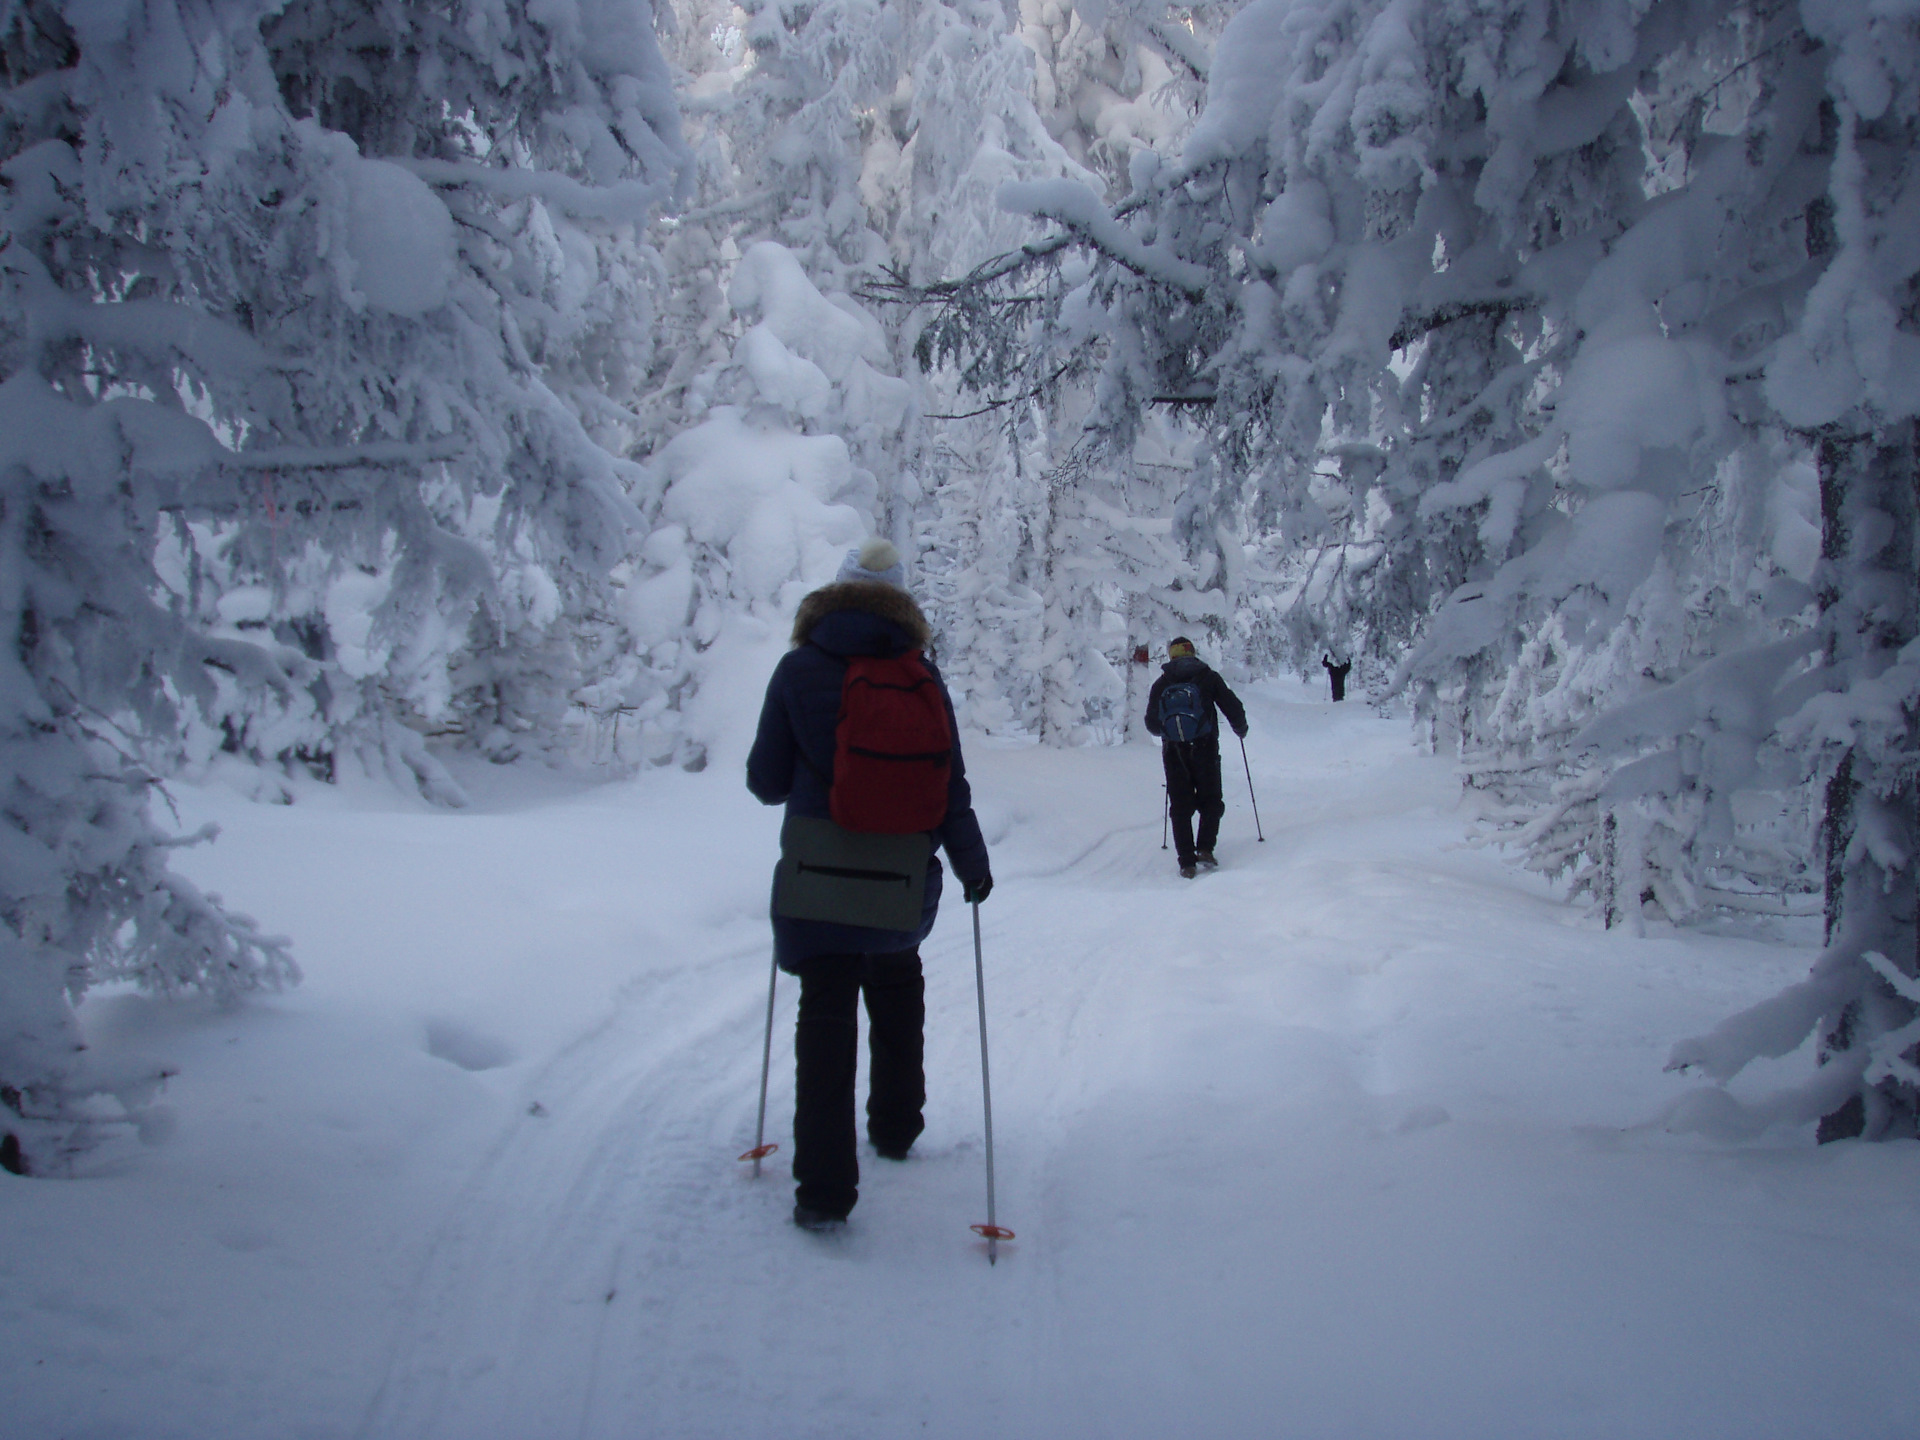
x=1185 y=715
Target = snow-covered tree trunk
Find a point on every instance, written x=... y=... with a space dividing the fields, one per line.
x=1870 y=614
x=1847 y=376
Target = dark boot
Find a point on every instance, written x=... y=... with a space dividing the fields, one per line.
x=818 y=1221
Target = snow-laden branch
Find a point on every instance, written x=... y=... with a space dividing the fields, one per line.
x=1032 y=392
x=1866 y=705
x=1181 y=44
x=1905 y=986
x=1745 y=692
x=1493 y=308
x=630 y=202
x=372 y=454
x=136 y=327
x=723 y=209
x=253 y=664
x=1775 y=1027
x=1712 y=1111
x=1086 y=215
x=1477 y=481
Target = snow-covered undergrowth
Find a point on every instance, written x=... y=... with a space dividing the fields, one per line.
x=1358 y=1137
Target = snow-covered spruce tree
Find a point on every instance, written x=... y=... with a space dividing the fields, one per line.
x=868 y=141
x=774 y=416
x=532 y=142
x=780 y=116
x=229 y=327
x=1699 y=810
x=1865 y=732
x=960 y=122
x=1702 y=815
x=1842 y=373
x=968 y=123
x=757 y=502
x=453 y=248
x=97 y=455
x=1460 y=321
x=1361 y=264
x=1051 y=559
x=1862 y=1000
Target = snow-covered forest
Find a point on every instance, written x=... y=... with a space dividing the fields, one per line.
x=429 y=398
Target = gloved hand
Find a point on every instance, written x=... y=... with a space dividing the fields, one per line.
x=974 y=894
x=1241 y=732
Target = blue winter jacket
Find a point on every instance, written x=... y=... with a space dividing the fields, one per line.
x=792 y=758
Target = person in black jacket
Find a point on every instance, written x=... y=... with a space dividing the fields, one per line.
x=1181 y=710
x=791 y=763
x=1336 y=674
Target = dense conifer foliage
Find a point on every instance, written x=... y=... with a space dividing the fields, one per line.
x=310 y=318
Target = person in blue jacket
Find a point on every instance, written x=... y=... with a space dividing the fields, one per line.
x=865 y=612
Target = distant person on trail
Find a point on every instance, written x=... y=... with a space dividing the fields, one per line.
x=1180 y=710
x=1337 y=674
x=857 y=739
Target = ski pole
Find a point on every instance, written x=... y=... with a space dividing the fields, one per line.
x=994 y=1233
x=1256 y=804
x=1166 y=812
x=760 y=1149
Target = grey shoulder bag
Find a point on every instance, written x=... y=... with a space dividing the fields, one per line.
x=848 y=877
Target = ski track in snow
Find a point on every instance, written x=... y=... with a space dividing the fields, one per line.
x=612 y=1181
x=644 y=1239
x=615 y=1224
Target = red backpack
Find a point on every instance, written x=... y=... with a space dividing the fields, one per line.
x=893 y=750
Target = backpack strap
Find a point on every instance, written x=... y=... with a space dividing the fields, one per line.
x=826 y=778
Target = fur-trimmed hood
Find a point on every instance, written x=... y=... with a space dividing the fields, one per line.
x=886 y=602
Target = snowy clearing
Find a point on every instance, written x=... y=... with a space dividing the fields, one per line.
x=1356 y=1137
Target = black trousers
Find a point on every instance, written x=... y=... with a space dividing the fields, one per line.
x=826 y=1166
x=1193 y=783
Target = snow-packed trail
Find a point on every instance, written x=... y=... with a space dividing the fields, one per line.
x=613 y=1224
x=1351 y=1138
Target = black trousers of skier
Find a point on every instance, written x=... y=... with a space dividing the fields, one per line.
x=1193 y=783
x=826 y=1165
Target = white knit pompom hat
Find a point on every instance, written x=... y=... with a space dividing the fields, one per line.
x=876 y=560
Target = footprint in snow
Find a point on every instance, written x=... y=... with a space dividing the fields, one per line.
x=469 y=1049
